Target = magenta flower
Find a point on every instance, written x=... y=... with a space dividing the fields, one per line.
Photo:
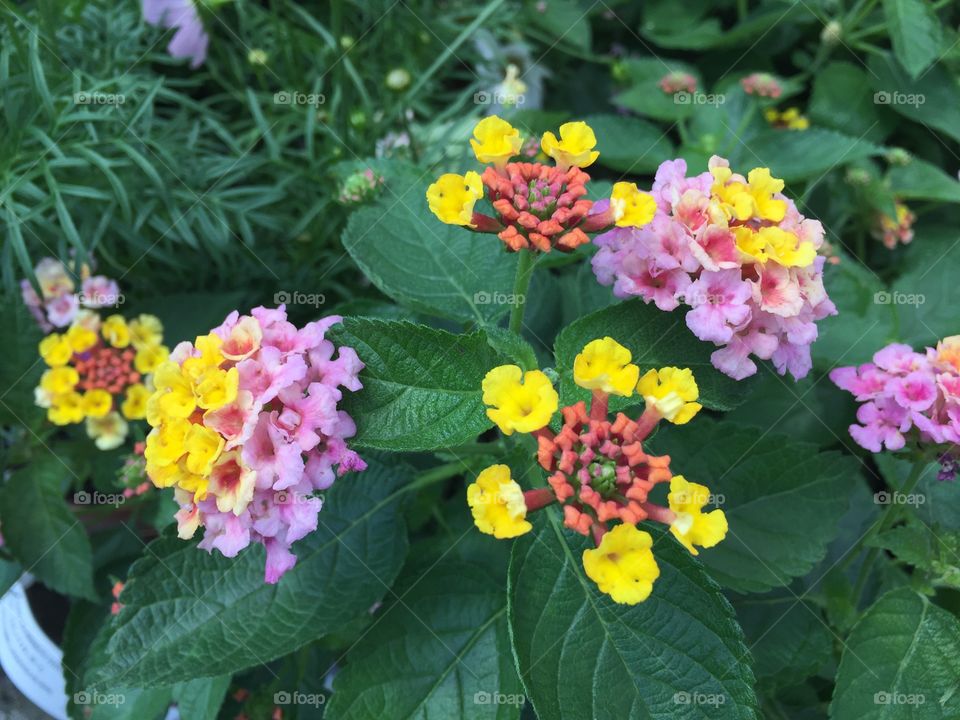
x=718 y=299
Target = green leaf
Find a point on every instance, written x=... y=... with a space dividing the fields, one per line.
x=921 y=180
x=929 y=276
x=801 y=155
x=512 y=346
x=581 y=655
x=421 y=386
x=843 y=100
x=629 y=145
x=21 y=367
x=40 y=530
x=438 y=269
x=201 y=699
x=755 y=479
x=441 y=650
x=565 y=22
x=189 y=614
x=656 y=339
x=788 y=637
x=915 y=33
x=932 y=100
x=902 y=659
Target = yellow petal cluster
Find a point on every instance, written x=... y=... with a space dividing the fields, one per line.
x=692 y=526
x=604 y=365
x=623 y=565
x=497 y=504
x=519 y=401
x=672 y=392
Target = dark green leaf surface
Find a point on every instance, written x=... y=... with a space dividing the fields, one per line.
x=760 y=477
x=902 y=660
x=442 y=651
x=40 y=530
x=915 y=33
x=421 y=387
x=188 y=614
x=679 y=654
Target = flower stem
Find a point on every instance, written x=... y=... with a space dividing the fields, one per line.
x=520 y=286
x=886 y=519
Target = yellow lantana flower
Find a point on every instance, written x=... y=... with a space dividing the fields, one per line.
x=497 y=504
x=215 y=388
x=692 y=526
x=605 y=365
x=762 y=186
x=81 y=338
x=55 y=350
x=66 y=409
x=785 y=248
x=134 y=406
x=59 y=380
x=97 y=403
x=623 y=565
x=495 y=141
x=452 y=197
x=149 y=357
x=116 y=331
x=210 y=356
x=521 y=402
x=575 y=147
x=631 y=207
x=146 y=331
x=203 y=447
x=176 y=398
x=166 y=443
x=107 y=432
x=672 y=392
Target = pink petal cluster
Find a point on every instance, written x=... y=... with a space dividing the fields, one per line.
x=907 y=396
x=688 y=255
x=58 y=303
x=288 y=430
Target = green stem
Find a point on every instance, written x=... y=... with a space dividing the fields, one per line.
x=435 y=475
x=886 y=520
x=520 y=286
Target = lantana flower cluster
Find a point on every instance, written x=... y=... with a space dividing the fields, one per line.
x=908 y=397
x=99 y=372
x=738 y=253
x=893 y=231
x=247 y=430
x=535 y=206
x=597 y=469
x=59 y=303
